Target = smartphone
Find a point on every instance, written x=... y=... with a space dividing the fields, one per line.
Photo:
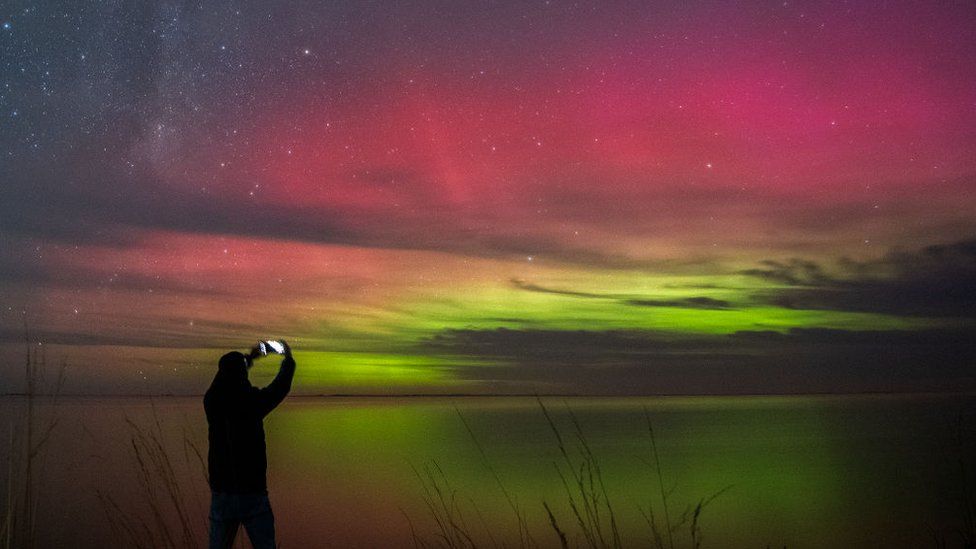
x=272 y=346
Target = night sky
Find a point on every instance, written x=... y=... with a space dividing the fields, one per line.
x=492 y=197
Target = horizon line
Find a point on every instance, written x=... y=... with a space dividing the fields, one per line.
x=510 y=395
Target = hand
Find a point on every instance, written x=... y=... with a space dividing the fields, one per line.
x=255 y=353
x=287 y=352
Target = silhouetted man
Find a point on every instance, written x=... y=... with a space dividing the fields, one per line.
x=237 y=460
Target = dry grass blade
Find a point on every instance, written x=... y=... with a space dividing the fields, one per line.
x=555 y=526
x=525 y=537
x=481 y=519
x=171 y=523
x=584 y=485
x=441 y=502
x=660 y=479
x=968 y=532
x=134 y=530
x=26 y=464
x=417 y=541
x=8 y=527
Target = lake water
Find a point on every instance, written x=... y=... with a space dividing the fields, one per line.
x=820 y=471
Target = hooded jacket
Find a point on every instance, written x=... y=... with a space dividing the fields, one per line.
x=235 y=409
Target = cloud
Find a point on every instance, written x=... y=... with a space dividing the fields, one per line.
x=937 y=280
x=529 y=287
x=795 y=272
x=686 y=303
x=633 y=361
x=699 y=302
x=103 y=204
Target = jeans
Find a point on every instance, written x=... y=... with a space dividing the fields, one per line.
x=229 y=511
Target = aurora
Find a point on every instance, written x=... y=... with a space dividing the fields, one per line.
x=582 y=198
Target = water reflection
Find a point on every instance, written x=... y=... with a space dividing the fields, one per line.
x=804 y=471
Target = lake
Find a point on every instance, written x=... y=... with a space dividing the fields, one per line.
x=797 y=471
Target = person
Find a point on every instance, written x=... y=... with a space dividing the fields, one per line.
x=236 y=459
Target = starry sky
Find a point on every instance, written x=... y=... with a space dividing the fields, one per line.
x=492 y=197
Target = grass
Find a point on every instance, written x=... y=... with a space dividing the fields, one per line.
x=445 y=507
x=587 y=513
x=171 y=517
x=959 y=458
x=689 y=518
x=586 y=492
x=28 y=441
x=593 y=514
x=26 y=458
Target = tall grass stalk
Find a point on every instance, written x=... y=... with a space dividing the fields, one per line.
x=30 y=372
x=661 y=491
x=587 y=495
x=8 y=514
x=690 y=517
x=525 y=537
x=961 y=460
x=442 y=504
x=586 y=491
x=26 y=451
x=590 y=502
x=968 y=533
x=170 y=521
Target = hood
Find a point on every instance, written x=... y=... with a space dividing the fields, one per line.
x=231 y=372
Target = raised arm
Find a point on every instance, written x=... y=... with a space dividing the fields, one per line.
x=271 y=396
